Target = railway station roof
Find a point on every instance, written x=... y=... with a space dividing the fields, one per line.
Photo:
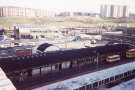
x=17 y=63
x=111 y=48
x=70 y=54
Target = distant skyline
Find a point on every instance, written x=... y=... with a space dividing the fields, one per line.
x=68 y=5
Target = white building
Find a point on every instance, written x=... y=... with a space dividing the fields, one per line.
x=37 y=32
x=114 y=11
x=12 y=11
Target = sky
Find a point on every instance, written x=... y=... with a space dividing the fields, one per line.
x=68 y=5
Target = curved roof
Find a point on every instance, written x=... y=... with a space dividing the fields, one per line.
x=43 y=46
x=52 y=48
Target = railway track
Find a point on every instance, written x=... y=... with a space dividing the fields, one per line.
x=63 y=76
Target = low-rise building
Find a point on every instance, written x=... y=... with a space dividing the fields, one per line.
x=36 y=32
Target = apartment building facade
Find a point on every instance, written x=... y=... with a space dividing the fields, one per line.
x=114 y=11
x=11 y=11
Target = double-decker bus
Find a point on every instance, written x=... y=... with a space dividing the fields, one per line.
x=130 y=53
x=113 y=58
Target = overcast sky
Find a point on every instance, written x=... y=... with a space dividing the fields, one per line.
x=68 y=5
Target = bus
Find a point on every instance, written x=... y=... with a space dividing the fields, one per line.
x=113 y=58
x=23 y=51
x=130 y=53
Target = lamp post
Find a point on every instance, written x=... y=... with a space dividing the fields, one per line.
x=97 y=60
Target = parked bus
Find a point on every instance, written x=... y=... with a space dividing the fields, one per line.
x=113 y=58
x=130 y=53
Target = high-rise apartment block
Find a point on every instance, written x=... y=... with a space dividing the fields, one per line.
x=114 y=11
x=10 y=11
